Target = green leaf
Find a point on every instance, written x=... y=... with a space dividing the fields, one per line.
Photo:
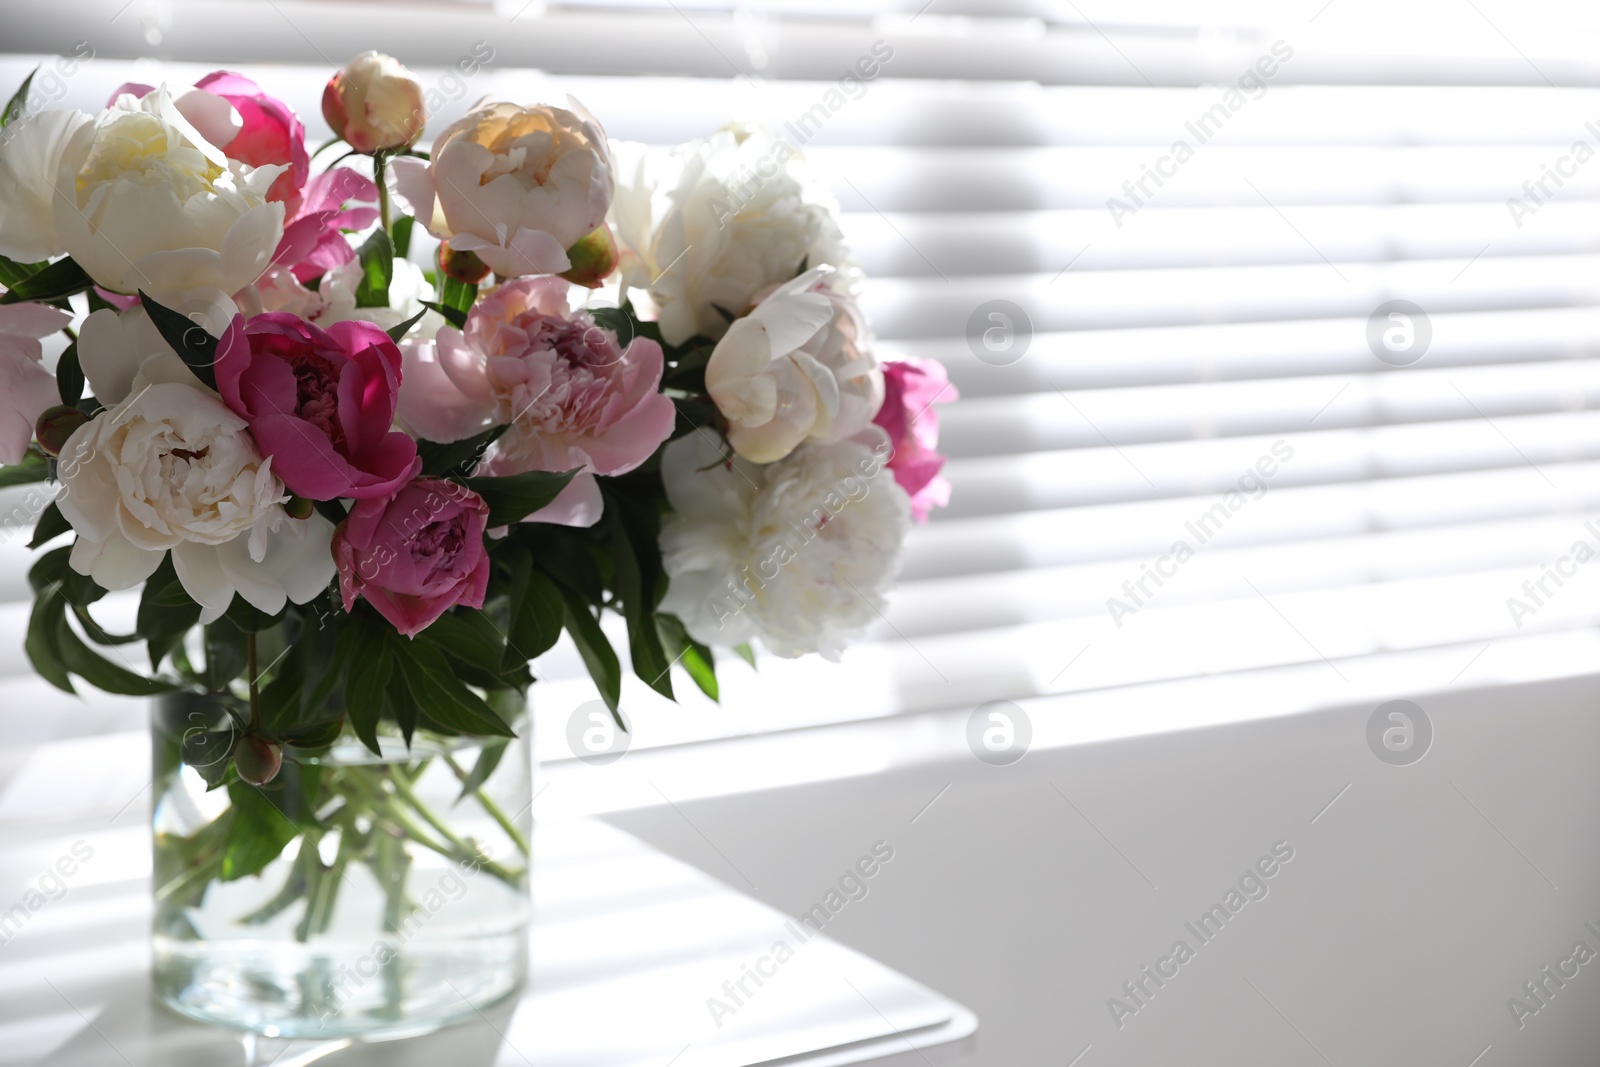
x=331 y=510
x=364 y=685
x=249 y=618
x=746 y=653
x=12 y=272
x=209 y=752
x=401 y=705
x=691 y=655
x=515 y=497
x=326 y=655
x=488 y=759
x=259 y=833
x=226 y=653
x=80 y=659
x=279 y=701
x=689 y=374
x=69 y=376
x=49 y=570
x=313 y=735
x=597 y=653
x=401 y=233
x=469 y=636
x=454 y=316
x=191 y=341
x=536 y=611
x=377 y=270
x=51 y=524
x=398 y=333
x=19 y=101
x=97 y=633
x=41 y=644
x=166 y=613
x=441 y=696
x=61 y=279
x=458 y=295
x=33 y=468
x=636 y=589
x=456 y=457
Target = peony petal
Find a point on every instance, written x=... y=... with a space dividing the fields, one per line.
x=412 y=179
x=35 y=150
x=432 y=403
x=579 y=504
x=114 y=563
x=214 y=117
x=204 y=578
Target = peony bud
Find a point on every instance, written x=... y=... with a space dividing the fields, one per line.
x=299 y=507
x=257 y=759
x=593 y=258
x=375 y=104
x=55 y=426
x=463 y=266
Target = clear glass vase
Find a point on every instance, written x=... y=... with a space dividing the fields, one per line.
x=353 y=895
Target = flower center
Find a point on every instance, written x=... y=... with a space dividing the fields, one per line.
x=141 y=148
x=316 y=382
x=438 y=544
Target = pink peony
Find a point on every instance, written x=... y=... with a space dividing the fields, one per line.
x=415 y=555
x=270 y=132
x=320 y=403
x=312 y=242
x=572 y=396
x=911 y=388
x=26 y=388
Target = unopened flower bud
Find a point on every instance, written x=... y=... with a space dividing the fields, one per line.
x=299 y=507
x=462 y=265
x=55 y=426
x=257 y=759
x=375 y=104
x=593 y=259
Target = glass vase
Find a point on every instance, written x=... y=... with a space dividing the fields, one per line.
x=354 y=895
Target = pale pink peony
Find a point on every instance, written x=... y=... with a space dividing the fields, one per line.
x=518 y=186
x=26 y=388
x=911 y=388
x=415 y=555
x=574 y=398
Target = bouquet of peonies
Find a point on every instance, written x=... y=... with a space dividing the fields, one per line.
x=361 y=495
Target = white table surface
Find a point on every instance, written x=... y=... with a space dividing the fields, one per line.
x=1420 y=898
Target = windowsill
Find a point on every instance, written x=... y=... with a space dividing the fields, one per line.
x=700 y=770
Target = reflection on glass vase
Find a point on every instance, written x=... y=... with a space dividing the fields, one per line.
x=353 y=895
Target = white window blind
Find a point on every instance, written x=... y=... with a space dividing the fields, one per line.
x=1209 y=334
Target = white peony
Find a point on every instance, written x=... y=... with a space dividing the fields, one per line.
x=797 y=553
x=797 y=367
x=169 y=467
x=30 y=157
x=722 y=220
x=143 y=200
x=113 y=345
